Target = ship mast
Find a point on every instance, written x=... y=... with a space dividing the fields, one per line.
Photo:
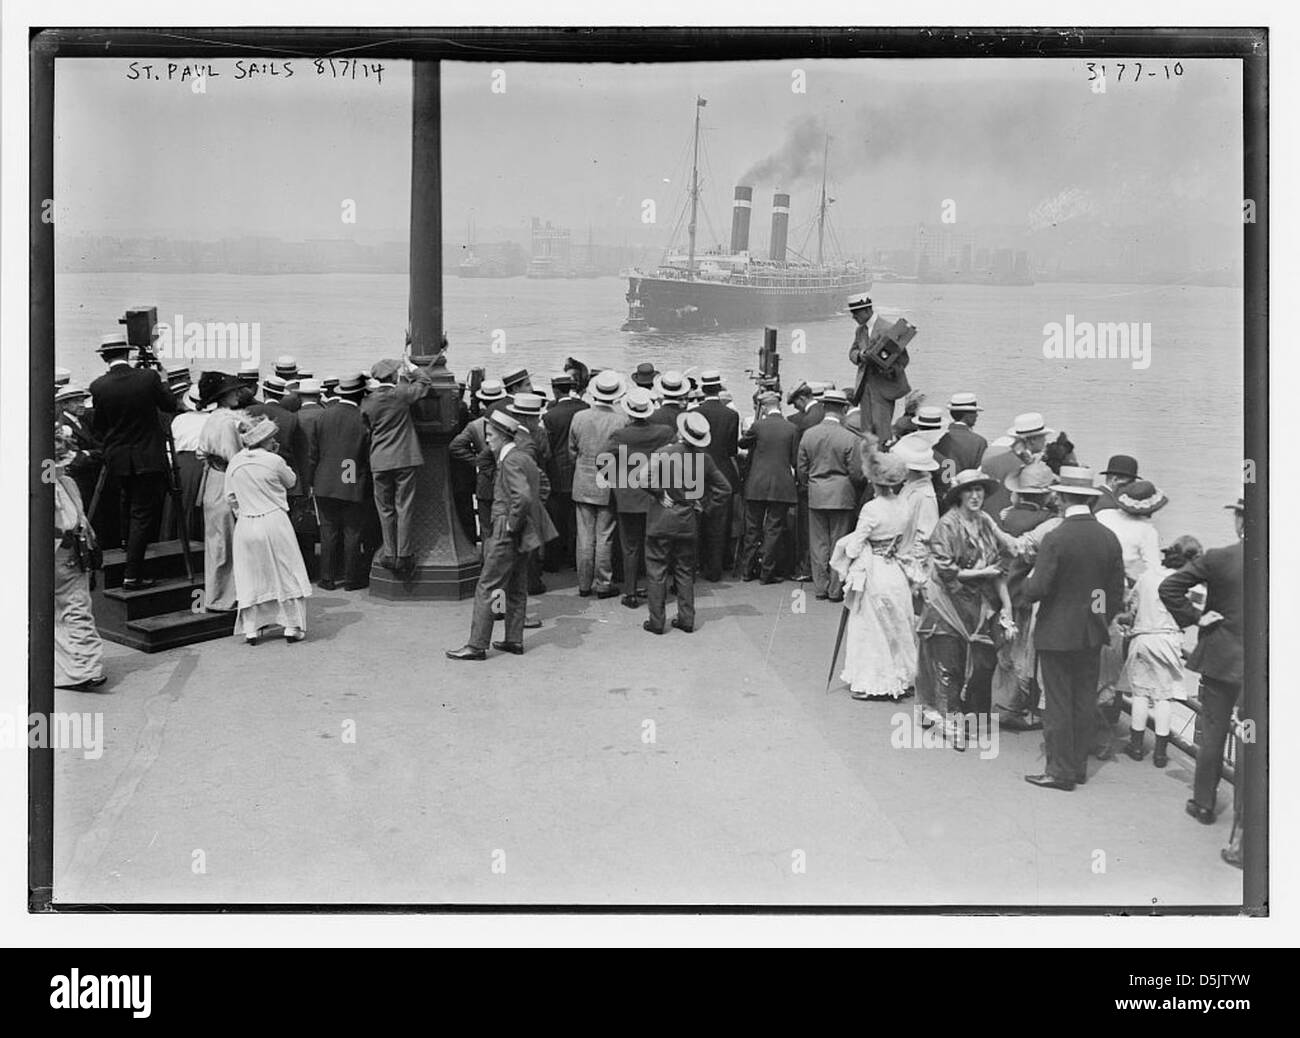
x=821 y=208
x=695 y=187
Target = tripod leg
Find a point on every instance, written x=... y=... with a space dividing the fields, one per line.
x=99 y=489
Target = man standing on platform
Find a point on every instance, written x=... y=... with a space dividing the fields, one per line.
x=830 y=471
x=395 y=456
x=724 y=438
x=518 y=524
x=338 y=462
x=128 y=407
x=1078 y=582
x=877 y=387
x=773 y=444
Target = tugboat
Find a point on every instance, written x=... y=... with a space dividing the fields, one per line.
x=717 y=289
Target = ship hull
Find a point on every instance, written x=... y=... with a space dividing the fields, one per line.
x=678 y=304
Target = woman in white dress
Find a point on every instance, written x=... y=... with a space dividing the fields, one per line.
x=1153 y=672
x=270 y=577
x=880 y=655
x=218 y=442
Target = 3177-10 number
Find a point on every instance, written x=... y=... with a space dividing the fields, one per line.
x=1135 y=71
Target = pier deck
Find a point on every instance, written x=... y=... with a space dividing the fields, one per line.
x=534 y=778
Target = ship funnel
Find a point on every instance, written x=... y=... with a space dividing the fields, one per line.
x=740 y=209
x=780 y=225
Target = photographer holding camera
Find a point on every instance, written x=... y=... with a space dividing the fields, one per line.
x=128 y=402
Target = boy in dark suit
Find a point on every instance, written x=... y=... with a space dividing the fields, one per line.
x=127 y=406
x=1078 y=582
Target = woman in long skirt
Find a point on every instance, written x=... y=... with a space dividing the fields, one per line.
x=218 y=443
x=270 y=577
x=880 y=653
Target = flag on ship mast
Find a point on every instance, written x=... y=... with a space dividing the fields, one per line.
x=700 y=102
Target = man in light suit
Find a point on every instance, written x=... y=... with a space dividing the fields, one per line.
x=337 y=467
x=829 y=467
x=1078 y=583
x=395 y=455
x=519 y=525
x=770 y=491
x=589 y=436
x=1218 y=656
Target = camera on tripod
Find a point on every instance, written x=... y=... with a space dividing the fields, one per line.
x=767 y=378
x=141 y=332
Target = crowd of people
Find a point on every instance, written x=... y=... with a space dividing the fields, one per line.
x=988 y=580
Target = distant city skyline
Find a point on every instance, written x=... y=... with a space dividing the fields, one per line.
x=1022 y=146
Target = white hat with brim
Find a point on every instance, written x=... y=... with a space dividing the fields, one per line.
x=694 y=428
x=637 y=403
x=257 y=432
x=917 y=451
x=606 y=387
x=1030 y=424
x=70 y=392
x=1075 y=479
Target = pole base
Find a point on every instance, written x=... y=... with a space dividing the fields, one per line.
x=450 y=583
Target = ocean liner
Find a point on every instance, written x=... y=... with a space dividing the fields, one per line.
x=719 y=289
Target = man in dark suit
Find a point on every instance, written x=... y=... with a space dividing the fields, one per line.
x=773 y=444
x=519 y=526
x=1217 y=657
x=338 y=466
x=829 y=468
x=1078 y=582
x=1120 y=471
x=808 y=412
x=877 y=387
x=395 y=455
x=672 y=385
x=631 y=447
x=686 y=482
x=560 y=553
x=470 y=446
x=128 y=404
x=961 y=444
x=724 y=439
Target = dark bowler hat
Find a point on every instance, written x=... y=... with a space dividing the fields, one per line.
x=1121 y=465
x=644 y=376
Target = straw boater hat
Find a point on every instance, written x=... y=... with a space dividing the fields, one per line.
x=504 y=423
x=711 y=379
x=965 y=480
x=527 y=405
x=859 y=302
x=637 y=403
x=62 y=376
x=1034 y=478
x=835 y=398
x=1141 y=498
x=491 y=389
x=273 y=387
x=257 y=431
x=309 y=387
x=928 y=418
x=606 y=387
x=1075 y=479
x=1029 y=424
x=694 y=429
x=286 y=367
x=917 y=452
x=113 y=343
x=352 y=386
x=513 y=378
x=963 y=402
x=801 y=390
x=672 y=385
x=69 y=391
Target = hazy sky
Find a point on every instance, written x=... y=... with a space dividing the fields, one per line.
x=1020 y=142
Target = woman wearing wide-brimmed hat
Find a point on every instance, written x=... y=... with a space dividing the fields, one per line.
x=968 y=608
x=270 y=576
x=1153 y=672
x=880 y=655
x=219 y=442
